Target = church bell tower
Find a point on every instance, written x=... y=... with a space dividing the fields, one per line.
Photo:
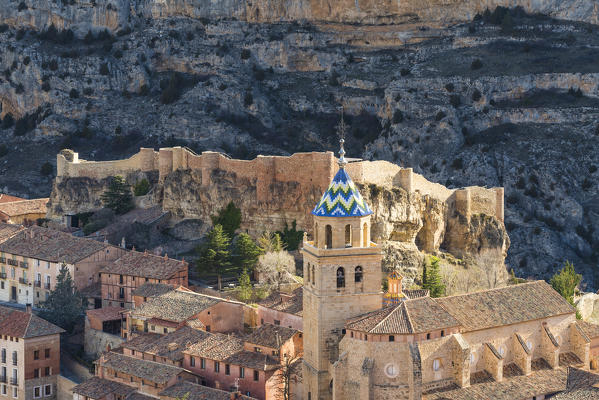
x=342 y=277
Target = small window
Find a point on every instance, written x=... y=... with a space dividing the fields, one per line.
x=358 y=274
x=340 y=277
x=277 y=322
x=207 y=328
x=257 y=350
x=216 y=367
x=227 y=369
x=165 y=330
x=351 y=333
x=202 y=363
x=47 y=371
x=436 y=364
x=391 y=338
x=256 y=375
x=529 y=344
x=442 y=333
x=48 y=390
x=36 y=354
x=348 y=238
x=428 y=336
x=15 y=392
x=241 y=372
x=36 y=373
x=192 y=361
x=366 y=337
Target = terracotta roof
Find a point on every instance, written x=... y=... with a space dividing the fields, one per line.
x=146 y=265
x=589 y=329
x=253 y=360
x=9 y=230
x=177 y=305
x=416 y=293
x=152 y=289
x=269 y=335
x=411 y=316
x=93 y=290
x=139 y=396
x=505 y=306
x=98 y=388
x=24 y=207
x=144 y=369
x=51 y=245
x=291 y=305
x=217 y=347
x=105 y=313
x=169 y=346
x=5 y=198
x=138 y=215
x=518 y=387
x=581 y=385
x=193 y=391
x=25 y=325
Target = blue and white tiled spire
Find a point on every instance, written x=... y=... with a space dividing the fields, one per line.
x=342 y=198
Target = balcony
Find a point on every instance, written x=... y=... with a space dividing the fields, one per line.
x=3 y=275
x=14 y=381
x=14 y=361
x=24 y=264
x=2 y=259
x=12 y=262
x=47 y=285
x=37 y=283
x=2 y=379
x=24 y=281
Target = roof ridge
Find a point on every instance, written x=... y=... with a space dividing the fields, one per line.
x=408 y=317
x=362 y=317
x=488 y=290
x=387 y=316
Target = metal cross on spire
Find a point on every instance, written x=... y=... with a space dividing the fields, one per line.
x=341 y=132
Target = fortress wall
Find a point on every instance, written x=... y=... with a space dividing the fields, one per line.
x=308 y=170
x=145 y=160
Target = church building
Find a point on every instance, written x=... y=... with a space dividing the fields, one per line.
x=515 y=342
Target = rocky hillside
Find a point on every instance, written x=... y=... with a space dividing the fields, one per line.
x=507 y=99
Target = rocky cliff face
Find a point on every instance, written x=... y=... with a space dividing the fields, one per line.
x=411 y=226
x=508 y=102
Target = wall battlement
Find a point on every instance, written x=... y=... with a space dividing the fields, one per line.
x=312 y=170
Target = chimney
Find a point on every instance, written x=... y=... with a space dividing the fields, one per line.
x=28 y=308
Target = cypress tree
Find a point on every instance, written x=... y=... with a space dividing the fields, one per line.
x=433 y=279
x=246 y=252
x=214 y=255
x=118 y=196
x=65 y=306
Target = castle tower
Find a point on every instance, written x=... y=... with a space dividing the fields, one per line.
x=342 y=277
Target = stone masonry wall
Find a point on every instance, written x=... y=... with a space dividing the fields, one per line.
x=309 y=170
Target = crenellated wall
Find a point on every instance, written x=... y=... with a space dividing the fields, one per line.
x=308 y=171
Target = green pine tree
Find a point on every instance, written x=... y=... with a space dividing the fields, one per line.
x=291 y=237
x=565 y=281
x=270 y=243
x=229 y=218
x=65 y=306
x=246 y=252
x=245 y=287
x=214 y=255
x=118 y=196
x=433 y=279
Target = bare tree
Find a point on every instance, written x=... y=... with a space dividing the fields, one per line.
x=286 y=377
x=276 y=267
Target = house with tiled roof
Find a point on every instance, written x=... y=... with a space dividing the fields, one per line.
x=193 y=391
x=24 y=212
x=30 y=355
x=283 y=309
x=221 y=361
x=174 y=309
x=121 y=277
x=9 y=230
x=147 y=291
x=30 y=262
x=275 y=340
x=147 y=377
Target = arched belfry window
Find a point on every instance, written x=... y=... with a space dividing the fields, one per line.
x=316 y=235
x=348 y=235
x=358 y=274
x=340 y=277
x=313 y=275
x=365 y=234
x=308 y=273
x=329 y=236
